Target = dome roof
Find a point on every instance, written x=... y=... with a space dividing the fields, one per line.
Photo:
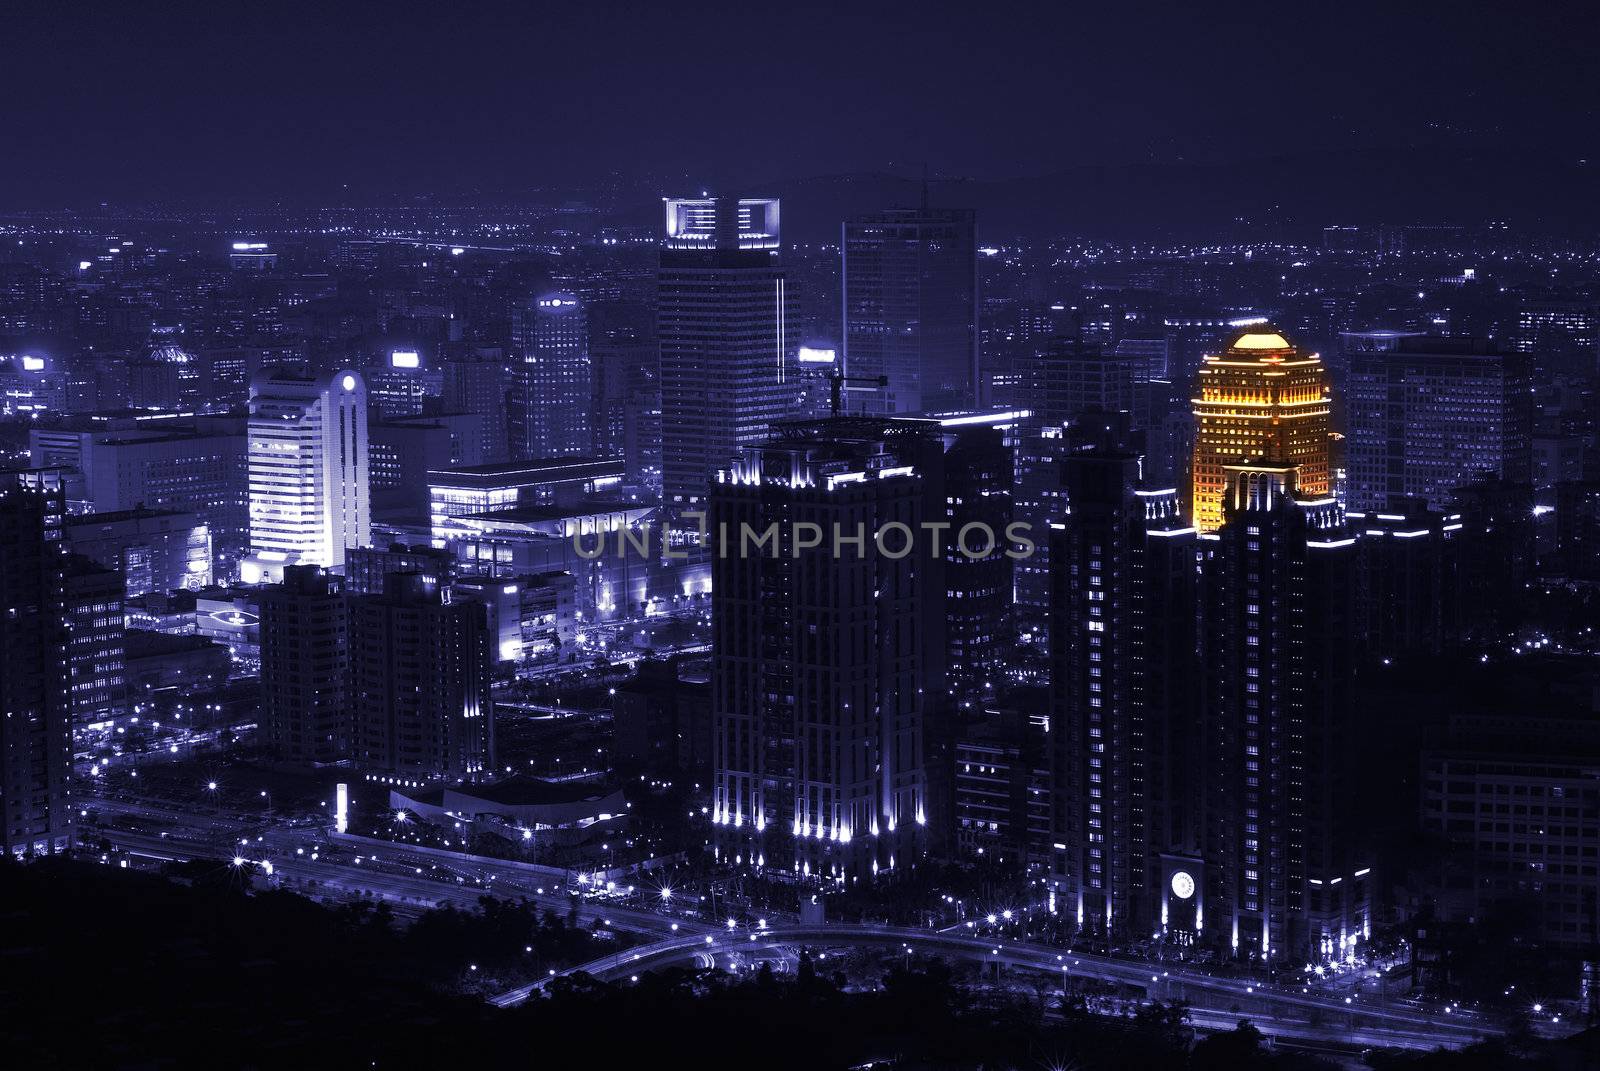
x=1261 y=340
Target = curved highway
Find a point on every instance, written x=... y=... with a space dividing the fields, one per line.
x=1212 y=998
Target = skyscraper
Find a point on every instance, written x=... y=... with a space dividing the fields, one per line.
x=1125 y=697
x=308 y=472
x=97 y=649
x=910 y=294
x=1428 y=415
x=419 y=683
x=1262 y=398
x=36 y=731
x=1283 y=877
x=723 y=329
x=978 y=483
x=556 y=384
x=479 y=384
x=828 y=658
x=305 y=667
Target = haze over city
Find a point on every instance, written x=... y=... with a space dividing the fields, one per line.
x=900 y=536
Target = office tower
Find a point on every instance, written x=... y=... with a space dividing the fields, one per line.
x=182 y=375
x=533 y=616
x=404 y=385
x=662 y=722
x=723 y=329
x=1409 y=589
x=96 y=648
x=304 y=667
x=1261 y=398
x=556 y=380
x=910 y=290
x=419 y=683
x=1040 y=496
x=1149 y=354
x=308 y=472
x=479 y=384
x=1540 y=761
x=978 y=482
x=36 y=732
x=1560 y=331
x=402 y=451
x=1427 y=415
x=625 y=361
x=827 y=659
x=200 y=467
x=154 y=550
x=1002 y=790
x=366 y=567
x=1125 y=688
x=1283 y=878
x=1067 y=376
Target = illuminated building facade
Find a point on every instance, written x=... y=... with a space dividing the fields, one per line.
x=911 y=309
x=1284 y=877
x=826 y=667
x=36 y=732
x=309 y=496
x=1427 y=415
x=462 y=491
x=723 y=329
x=97 y=648
x=419 y=683
x=154 y=550
x=1261 y=398
x=556 y=393
x=1126 y=814
x=304 y=667
x=199 y=466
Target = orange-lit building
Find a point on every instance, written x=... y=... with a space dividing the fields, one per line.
x=1262 y=399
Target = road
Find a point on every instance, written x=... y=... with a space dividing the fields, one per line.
x=306 y=860
x=1302 y=1016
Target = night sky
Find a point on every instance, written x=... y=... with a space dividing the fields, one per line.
x=129 y=100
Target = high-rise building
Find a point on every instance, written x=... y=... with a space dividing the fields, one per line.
x=1561 y=331
x=723 y=329
x=828 y=657
x=419 y=683
x=200 y=467
x=36 y=732
x=403 y=385
x=1261 y=399
x=1427 y=415
x=97 y=646
x=625 y=380
x=1410 y=581
x=1284 y=877
x=479 y=384
x=555 y=380
x=154 y=550
x=978 y=483
x=1125 y=698
x=910 y=290
x=309 y=496
x=304 y=667
x=1067 y=377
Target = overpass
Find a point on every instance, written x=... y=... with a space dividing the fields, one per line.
x=1291 y=1012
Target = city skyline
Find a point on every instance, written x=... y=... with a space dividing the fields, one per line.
x=909 y=538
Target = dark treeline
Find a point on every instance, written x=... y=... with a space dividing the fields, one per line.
x=102 y=969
